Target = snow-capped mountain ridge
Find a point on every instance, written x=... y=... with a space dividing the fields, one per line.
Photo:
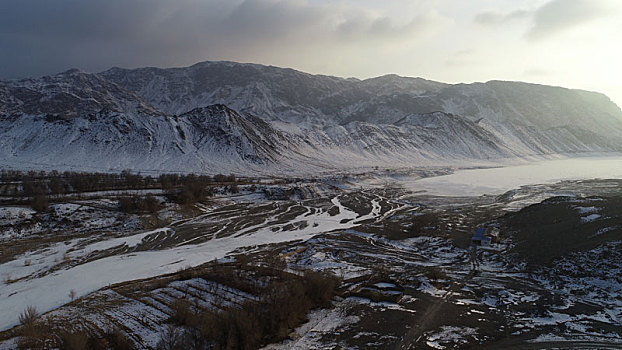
x=69 y=94
x=224 y=116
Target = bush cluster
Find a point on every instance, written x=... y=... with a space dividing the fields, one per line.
x=37 y=334
x=137 y=204
x=285 y=303
x=185 y=190
x=28 y=184
x=56 y=183
x=81 y=340
x=190 y=191
x=40 y=203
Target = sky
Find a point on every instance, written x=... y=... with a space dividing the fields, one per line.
x=570 y=43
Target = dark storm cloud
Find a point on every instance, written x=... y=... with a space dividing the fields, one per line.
x=42 y=36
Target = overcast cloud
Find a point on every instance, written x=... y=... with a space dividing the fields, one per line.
x=559 y=15
x=43 y=36
x=571 y=43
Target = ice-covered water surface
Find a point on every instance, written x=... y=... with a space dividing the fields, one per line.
x=494 y=181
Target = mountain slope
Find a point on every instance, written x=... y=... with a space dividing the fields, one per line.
x=246 y=118
x=212 y=139
x=276 y=92
x=530 y=118
x=69 y=94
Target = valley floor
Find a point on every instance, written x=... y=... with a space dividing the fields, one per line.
x=409 y=275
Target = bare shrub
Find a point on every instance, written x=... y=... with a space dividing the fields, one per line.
x=320 y=287
x=187 y=273
x=435 y=274
x=139 y=204
x=29 y=316
x=234 y=188
x=40 y=203
x=171 y=339
x=75 y=341
x=33 y=334
x=189 y=189
x=118 y=340
x=182 y=312
x=33 y=338
x=234 y=329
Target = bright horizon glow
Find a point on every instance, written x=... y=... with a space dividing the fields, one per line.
x=569 y=43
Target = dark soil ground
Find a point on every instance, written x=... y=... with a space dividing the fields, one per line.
x=410 y=278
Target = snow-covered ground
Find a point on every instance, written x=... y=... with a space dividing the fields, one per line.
x=52 y=290
x=309 y=335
